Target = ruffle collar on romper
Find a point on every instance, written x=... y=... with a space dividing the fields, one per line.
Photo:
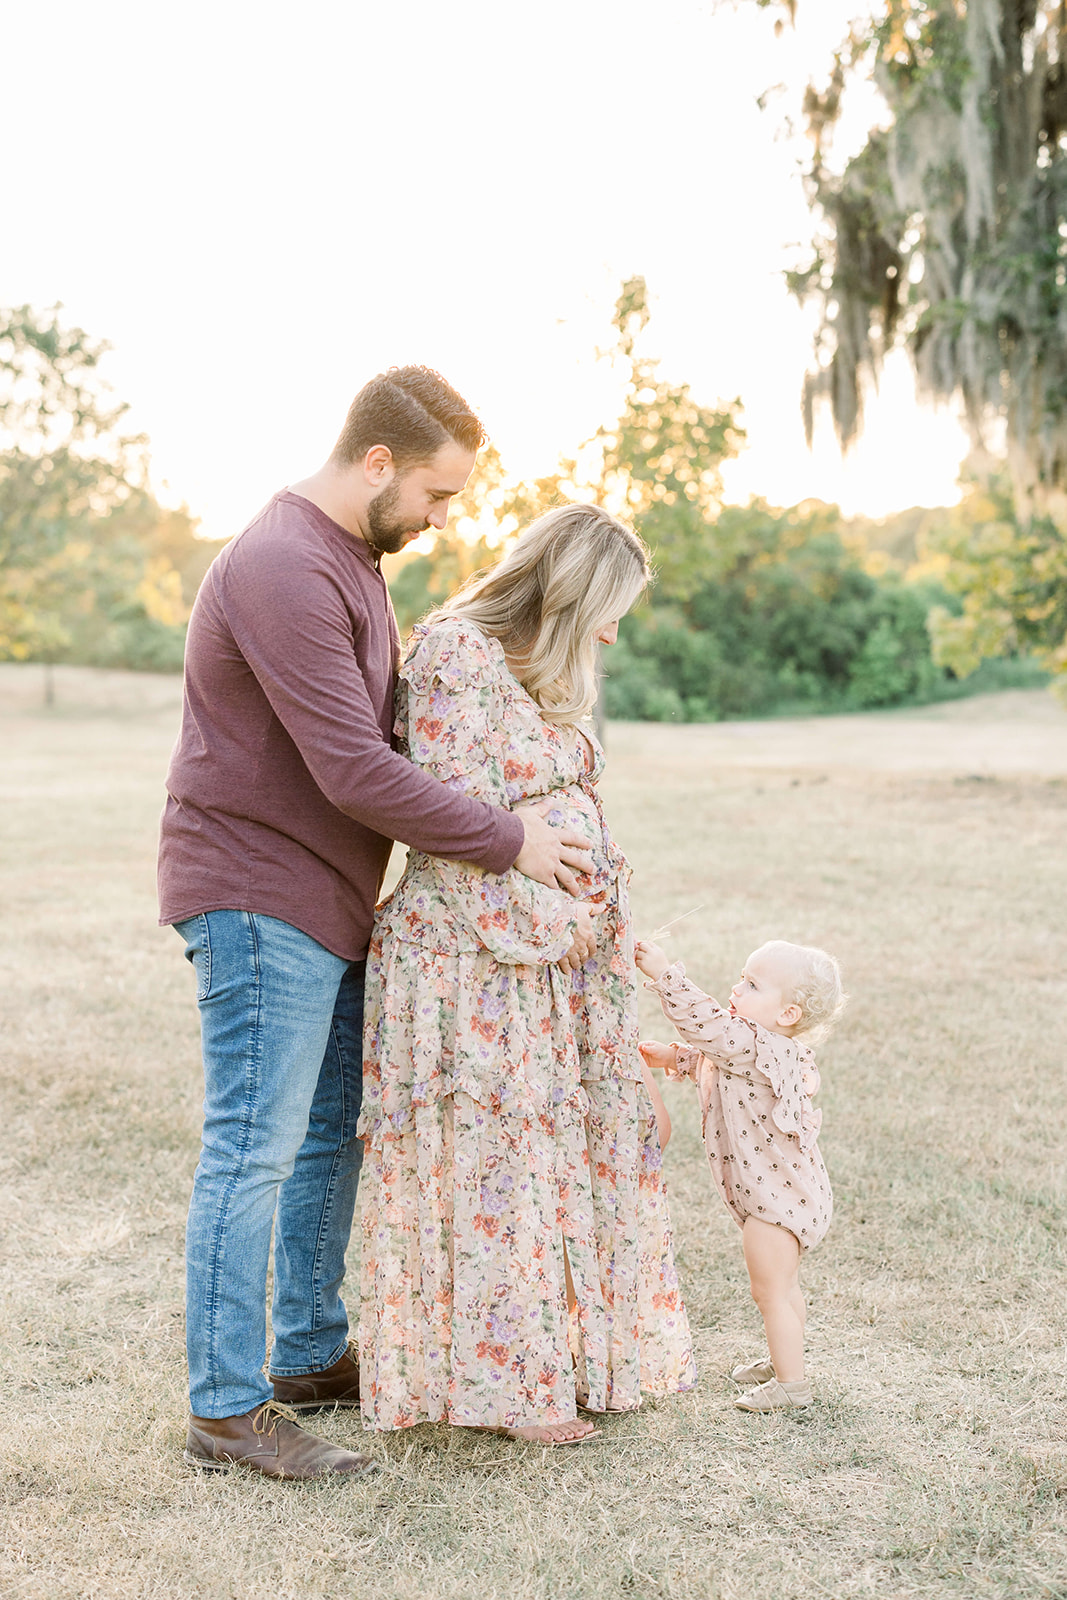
x=789 y=1066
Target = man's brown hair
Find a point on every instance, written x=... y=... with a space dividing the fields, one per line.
x=413 y=411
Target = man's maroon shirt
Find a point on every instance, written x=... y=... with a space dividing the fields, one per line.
x=284 y=792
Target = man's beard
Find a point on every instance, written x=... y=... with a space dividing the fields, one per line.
x=385 y=531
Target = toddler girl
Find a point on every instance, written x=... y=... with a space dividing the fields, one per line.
x=756 y=1077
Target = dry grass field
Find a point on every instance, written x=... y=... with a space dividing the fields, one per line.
x=928 y=851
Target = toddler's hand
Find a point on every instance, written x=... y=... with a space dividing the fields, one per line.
x=659 y=1056
x=650 y=958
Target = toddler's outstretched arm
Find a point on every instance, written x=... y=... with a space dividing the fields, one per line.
x=702 y=1022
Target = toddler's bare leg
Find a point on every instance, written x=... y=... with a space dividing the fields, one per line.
x=772 y=1256
x=796 y=1300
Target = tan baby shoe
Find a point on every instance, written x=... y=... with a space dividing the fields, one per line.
x=754 y=1372
x=775 y=1396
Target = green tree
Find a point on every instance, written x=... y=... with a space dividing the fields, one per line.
x=659 y=463
x=947 y=233
x=754 y=608
x=63 y=459
x=1010 y=575
x=91 y=567
x=785 y=614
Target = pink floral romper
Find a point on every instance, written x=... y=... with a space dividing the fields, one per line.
x=760 y=1126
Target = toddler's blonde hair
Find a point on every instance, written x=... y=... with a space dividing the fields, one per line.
x=814 y=984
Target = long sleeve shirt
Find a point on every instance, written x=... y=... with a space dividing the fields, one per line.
x=284 y=792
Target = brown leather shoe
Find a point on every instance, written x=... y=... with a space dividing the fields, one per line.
x=266 y=1441
x=321 y=1391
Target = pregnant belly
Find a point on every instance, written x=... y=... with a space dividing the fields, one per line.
x=574 y=809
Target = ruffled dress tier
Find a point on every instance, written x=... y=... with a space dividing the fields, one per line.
x=759 y=1124
x=504 y=1113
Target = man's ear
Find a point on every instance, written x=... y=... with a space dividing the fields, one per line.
x=790 y=1016
x=378 y=466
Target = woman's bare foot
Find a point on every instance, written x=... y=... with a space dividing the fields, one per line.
x=553 y=1432
x=574 y=1432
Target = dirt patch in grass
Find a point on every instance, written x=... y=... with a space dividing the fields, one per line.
x=934 y=1463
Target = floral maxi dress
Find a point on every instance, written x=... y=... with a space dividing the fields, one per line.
x=504 y=1116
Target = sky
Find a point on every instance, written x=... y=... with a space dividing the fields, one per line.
x=261 y=206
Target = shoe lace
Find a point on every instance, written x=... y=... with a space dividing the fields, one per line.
x=269 y=1415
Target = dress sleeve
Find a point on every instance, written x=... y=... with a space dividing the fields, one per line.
x=744 y=1050
x=452 y=719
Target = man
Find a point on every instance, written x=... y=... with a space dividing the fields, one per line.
x=283 y=796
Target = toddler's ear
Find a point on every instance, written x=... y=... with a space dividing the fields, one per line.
x=790 y=1016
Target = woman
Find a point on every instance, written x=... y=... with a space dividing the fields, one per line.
x=517 y=1256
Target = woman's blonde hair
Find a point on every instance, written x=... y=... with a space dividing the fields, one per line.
x=567 y=576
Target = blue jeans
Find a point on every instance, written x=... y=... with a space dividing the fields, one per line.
x=281 y=1022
